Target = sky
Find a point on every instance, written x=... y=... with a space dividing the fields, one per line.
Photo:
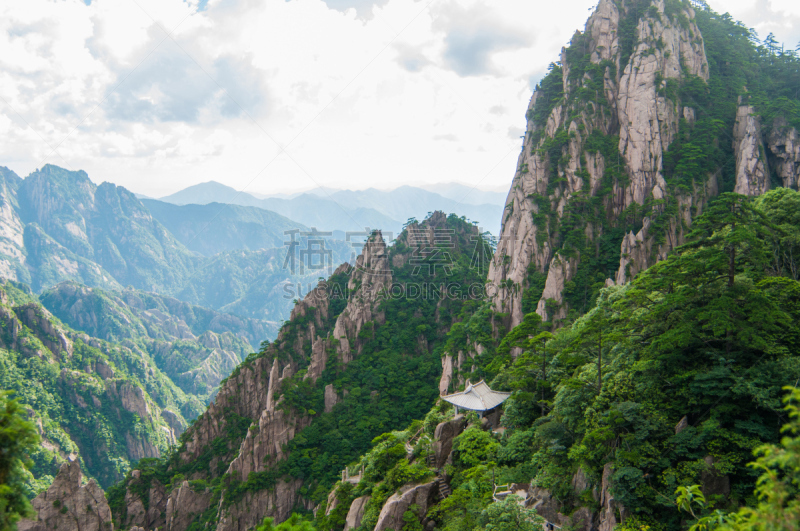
x=276 y=96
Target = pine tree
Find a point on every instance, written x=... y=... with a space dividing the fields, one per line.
x=18 y=437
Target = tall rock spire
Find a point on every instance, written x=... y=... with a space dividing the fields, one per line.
x=592 y=160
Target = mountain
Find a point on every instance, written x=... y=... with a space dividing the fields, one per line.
x=212 y=228
x=652 y=111
x=327 y=214
x=57 y=226
x=195 y=347
x=639 y=314
x=629 y=403
x=61 y=226
x=359 y=356
x=347 y=210
x=209 y=192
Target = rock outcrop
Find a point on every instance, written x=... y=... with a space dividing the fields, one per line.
x=752 y=176
x=609 y=507
x=183 y=505
x=372 y=274
x=12 y=230
x=68 y=506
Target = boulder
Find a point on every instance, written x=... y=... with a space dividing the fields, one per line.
x=580 y=482
x=714 y=483
x=752 y=177
x=391 y=516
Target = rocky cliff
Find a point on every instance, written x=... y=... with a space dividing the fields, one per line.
x=604 y=186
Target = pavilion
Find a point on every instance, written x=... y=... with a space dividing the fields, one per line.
x=478 y=397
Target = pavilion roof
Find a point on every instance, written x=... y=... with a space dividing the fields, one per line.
x=477 y=397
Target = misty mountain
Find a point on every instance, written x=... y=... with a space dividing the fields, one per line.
x=348 y=210
x=212 y=228
x=467 y=194
x=411 y=202
x=308 y=209
x=210 y=192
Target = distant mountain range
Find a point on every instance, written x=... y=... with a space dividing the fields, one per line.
x=56 y=225
x=347 y=210
x=306 y=209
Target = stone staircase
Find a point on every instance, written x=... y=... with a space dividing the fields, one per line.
x=443 y=487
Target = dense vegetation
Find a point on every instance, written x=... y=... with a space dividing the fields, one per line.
x=73 y=386
x=195 y=347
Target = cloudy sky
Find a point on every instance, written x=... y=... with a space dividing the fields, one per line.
x=282 y=95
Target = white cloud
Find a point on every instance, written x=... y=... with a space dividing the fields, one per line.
x=363 y=92
x=472 y=35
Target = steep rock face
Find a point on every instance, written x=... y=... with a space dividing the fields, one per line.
x=136 y=513
x=621 y=92
x=640 y=250
x=247 y=514
x=752 y=176
x=250 y=392
x=609 y=507
x=263 y=446
x=41 y=323
x=68 y=506
x=784 y=146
